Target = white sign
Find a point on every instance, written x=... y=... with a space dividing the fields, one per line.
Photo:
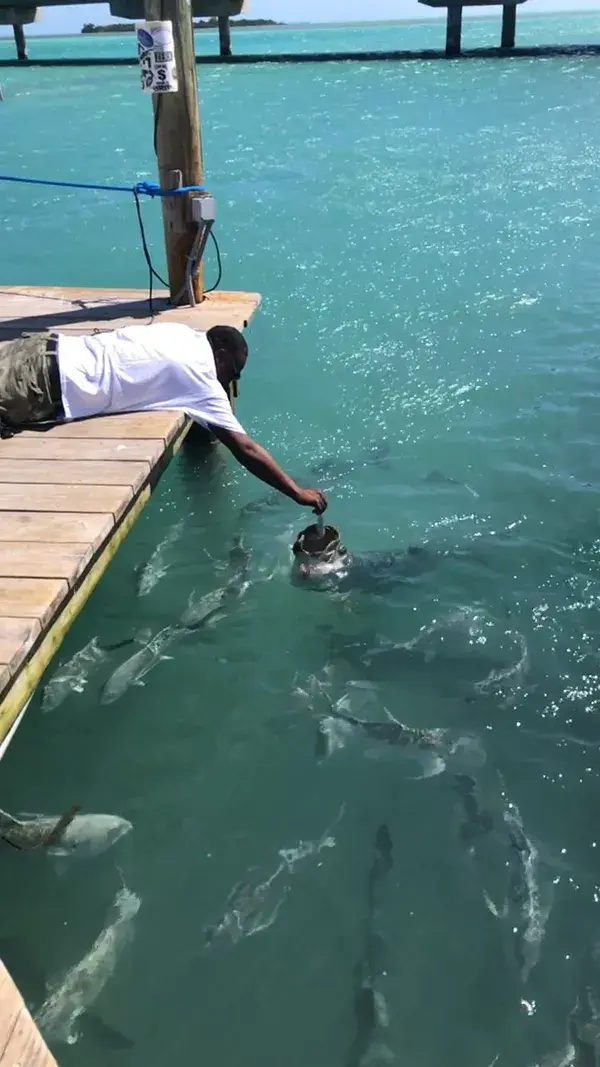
x=156 y=54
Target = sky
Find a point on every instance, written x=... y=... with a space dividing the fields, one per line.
x=71 y=19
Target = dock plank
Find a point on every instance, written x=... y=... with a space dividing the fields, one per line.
x=31 y=598
x=73 y=472
x=82 y=499
x=29 y=559
x=15 y=635
x=49 y=529
x=45 y=446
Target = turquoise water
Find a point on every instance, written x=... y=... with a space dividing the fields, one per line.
x=426 y=238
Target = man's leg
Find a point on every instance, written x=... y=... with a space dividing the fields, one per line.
x=25 y=382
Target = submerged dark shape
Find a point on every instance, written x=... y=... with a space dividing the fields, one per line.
x=104 y=1034
x=478 y=821
x=370 y=1009
x=330 y=467
x=583 y=1024
x=378 y=659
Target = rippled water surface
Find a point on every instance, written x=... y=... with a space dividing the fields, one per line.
x=426 y=238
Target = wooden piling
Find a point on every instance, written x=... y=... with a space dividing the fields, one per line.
x=178 y=142
x=454 y=30
x=224 y=36
x=20 y=42
x=509 y=25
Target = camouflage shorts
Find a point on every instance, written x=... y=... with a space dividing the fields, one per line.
x=29 y=384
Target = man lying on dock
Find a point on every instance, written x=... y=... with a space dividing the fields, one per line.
x=53 y=377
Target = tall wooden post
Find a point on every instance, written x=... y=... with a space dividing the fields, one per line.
x=454 y=30
x=178 y=142
x=509 y=25
x=224 y=35
x=20 y=42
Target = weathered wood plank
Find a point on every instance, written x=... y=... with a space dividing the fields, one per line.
x=21 y=1044
x=31 y=598
x=162 y=425
x=29 y=559
x=16 y=636
x=26 y=1047
x=73 y=472
x=10 y=1012
x=45 y=446
x=76 y=310
x=82 y=499
x=55 y=529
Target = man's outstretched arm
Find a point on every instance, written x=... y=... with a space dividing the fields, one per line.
x=259 y=462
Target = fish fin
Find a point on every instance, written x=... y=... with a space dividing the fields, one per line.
x=377 y=1054
x=392 y=718
x=432 y=766
x=114 y=646
x=104 y=1033
x=322 y=743
x=141 y=637
x=381 y=1009
x=61 y=825
x=165 y=658
x=140 y=683
x=8 y=822
x=493 y=908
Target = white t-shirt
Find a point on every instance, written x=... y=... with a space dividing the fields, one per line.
x=143 y=368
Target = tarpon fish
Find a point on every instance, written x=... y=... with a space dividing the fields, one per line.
x=156 y=567
x=60 y=836
x=370 y=1008
x=525 y=895
x=372 y=572
x=380 y=659
x=72 y=676
x=250 y=909
x=69 y=999
x=134 y=669
x=253 y=907
x=436 y=477
x=334 y=467
x=391 y=731
x=427 y=746
x=214 y=605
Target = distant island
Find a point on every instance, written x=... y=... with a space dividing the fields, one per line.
x=200 y=24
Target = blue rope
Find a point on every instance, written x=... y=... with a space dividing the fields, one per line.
x=147 y=188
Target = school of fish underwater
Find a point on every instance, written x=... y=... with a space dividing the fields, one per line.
x=254 y=817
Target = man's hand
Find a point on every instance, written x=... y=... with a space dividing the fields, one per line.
x=312 y=498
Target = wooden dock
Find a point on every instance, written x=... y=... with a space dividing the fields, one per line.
x=69 y=496
x=21 y=1044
